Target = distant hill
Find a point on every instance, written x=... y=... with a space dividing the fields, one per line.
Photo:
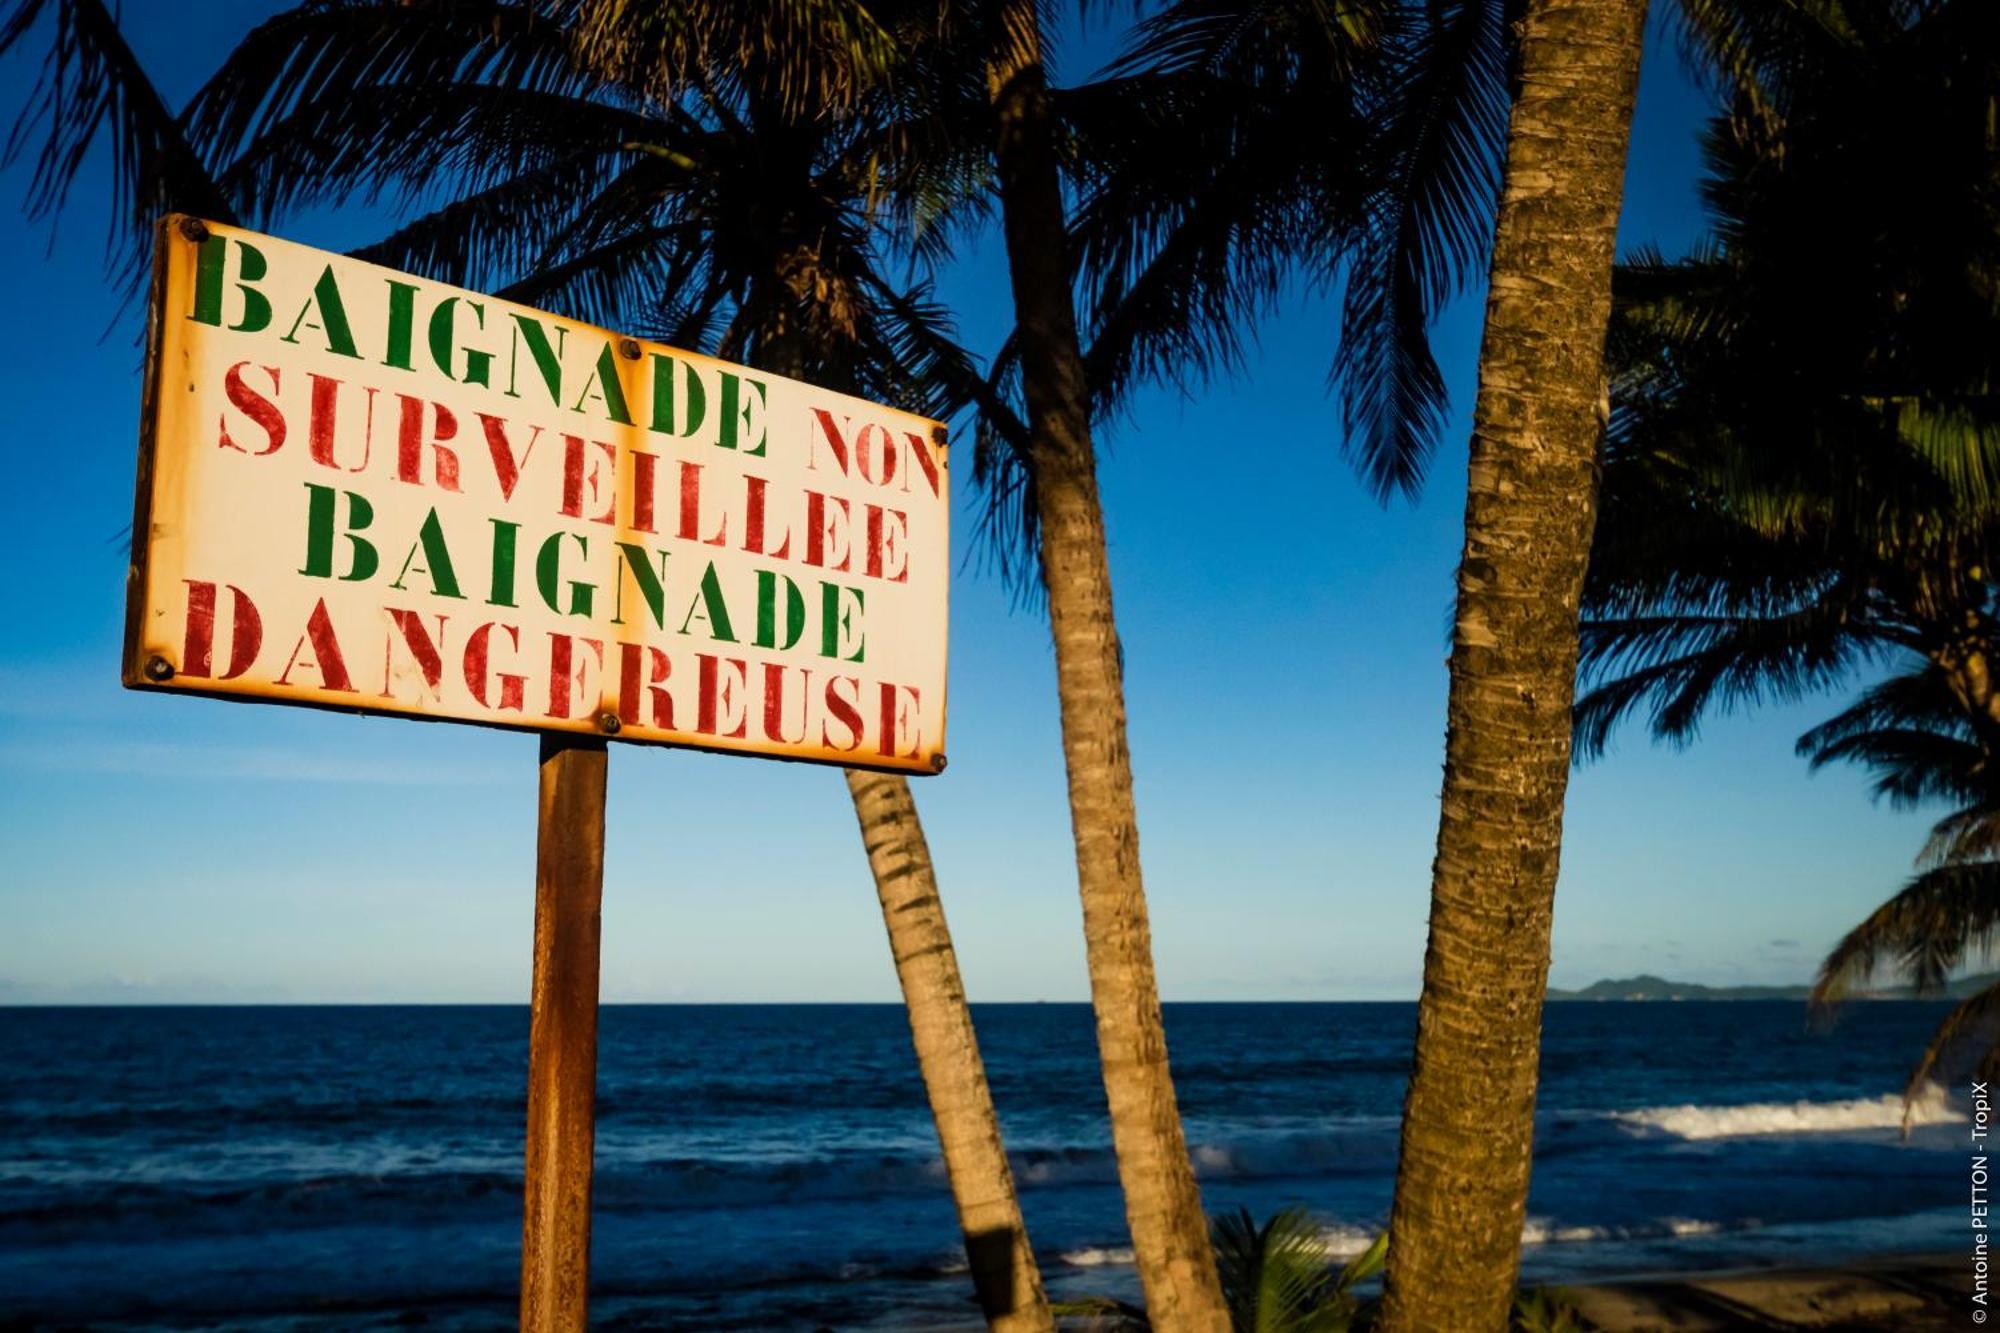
x=1647 y=987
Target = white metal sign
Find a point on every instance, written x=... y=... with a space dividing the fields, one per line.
x=362 y=490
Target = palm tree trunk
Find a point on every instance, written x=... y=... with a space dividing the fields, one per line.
x=1468 y=1125
x=1002 y=1262
x=1162 y=1203
x=996 y=1239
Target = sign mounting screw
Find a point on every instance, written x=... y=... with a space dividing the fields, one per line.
x=607 y=722
x=159 y=669
x=628 y=348
x=194 y=229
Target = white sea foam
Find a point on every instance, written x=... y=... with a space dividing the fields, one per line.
x=1097 y=1256
x=1725 y=1122
x=1538 y=1232
x=1344 y=1242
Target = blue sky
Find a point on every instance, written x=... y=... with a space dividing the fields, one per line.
x=1285 y=641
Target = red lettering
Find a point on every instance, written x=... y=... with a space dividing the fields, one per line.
x=325 y=658
x=753 y=521
x=321 y=435
x=774 y=703
x=428 y=652
x=478 y=654
x=896 y=546
x=888 y=532
x=894 y=715
x=569 y=671
x=826 y=527
x=926 y=463
x=833 y=440
x=846 y=710
x=246 y=634
x=720 y=697
x=642 y=490
x=255 y=406
x=580 y=470
x=634 y=679
x=866 y=452
x=410 y=444
x=506 y=467
x=691 y=509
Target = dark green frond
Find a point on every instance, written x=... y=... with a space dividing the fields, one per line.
x=1974 y=1022
x=1914 y=734
x=309 y=65
x=1970 y=834
x=92 y=90
x=1278 y=1277
x=1940 y=917
x=1680 y=666
x=805 y=55
x=1428 y=228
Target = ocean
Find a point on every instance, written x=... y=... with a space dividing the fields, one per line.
x=774 y=1167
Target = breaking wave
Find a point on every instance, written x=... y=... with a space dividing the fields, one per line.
x=1754 y=1118
x=1344 y=1242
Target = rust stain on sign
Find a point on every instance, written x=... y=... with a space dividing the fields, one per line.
x=362 y=490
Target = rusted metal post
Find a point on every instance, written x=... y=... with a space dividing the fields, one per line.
x=562 y=1043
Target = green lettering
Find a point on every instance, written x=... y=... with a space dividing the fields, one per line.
x=548 y=359
x=767 y=610
x=836 y=623
x=326 y=295
x=402 y=314
x=478 y=365
x=733 y=425
x=665 y=370
x=210 y=262
x=505 y=535
x=437 y=559
x=604 y=383
x=547 y=574
x=320 y=504
x=652 y=584
x=709 y=604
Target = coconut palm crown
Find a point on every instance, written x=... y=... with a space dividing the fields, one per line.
x=1800 y=472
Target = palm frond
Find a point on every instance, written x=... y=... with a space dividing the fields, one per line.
x=1428 y=229
x=308 y=63
x=1681 y=665
x=1940 y=917
x=91 y=89
x=1279 y=1277
x=807 y=55
x=1973 y=1021
x=1180 y=253
x=1916 y=736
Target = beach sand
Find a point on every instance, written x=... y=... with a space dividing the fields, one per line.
x=1904 y=1293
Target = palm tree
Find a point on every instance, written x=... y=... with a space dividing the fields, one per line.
x=1162 y=1202
x=721 y=216
x=1366 y=141
x=1468 y=1123
x=1806 y=431
x=1363 y=146
x=1800 y=472
x=1004 y=1273
x=1439 y=101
